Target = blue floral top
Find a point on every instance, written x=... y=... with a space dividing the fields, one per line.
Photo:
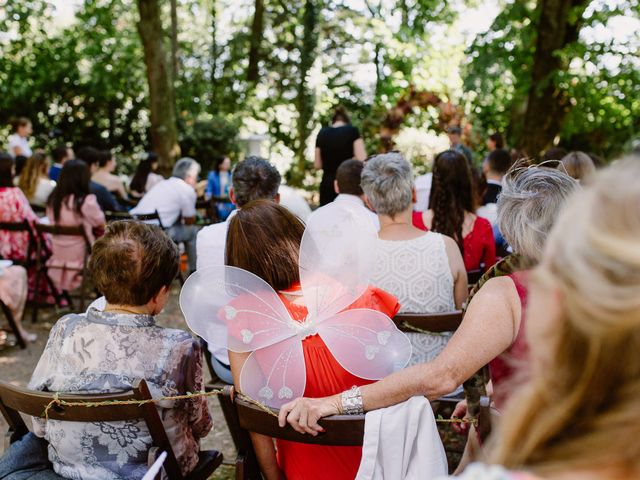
x=106 y=352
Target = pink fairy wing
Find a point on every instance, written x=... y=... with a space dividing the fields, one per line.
x=232 y=308
x=337 y=256
x=276 y=374
x=366 y=343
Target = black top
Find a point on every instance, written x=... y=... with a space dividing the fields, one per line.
x=105 y=199
x=491 y=195
x=336 y=146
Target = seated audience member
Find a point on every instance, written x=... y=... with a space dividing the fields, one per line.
x=71 y=204
x=347 y=186
x=145 y=177
x=292 y=200
x=105 y=177
x=495 y=142
x=106 y=200
x=14 y=208
x=13 y=293
x=133 y=265
x=175 y=201
x=60 y=155
x=491 y=331
x=19 y=139
x=253 y=179
x=576 y=417
x=34 y=180
x=424 y=270
x=451 y=208
x=554 y=153
x=578 y=165
x=218 y=185
x=264 y=239
x=20 y=161
x=495 y=167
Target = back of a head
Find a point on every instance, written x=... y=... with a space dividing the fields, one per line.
x=103 y=157
x=184 y=167
x=497 y=139
x=59 y=153
x=131 y=263
x=585 y=404
x=529 y=204
x=499 y=161
x=34 y=168
x=6 y=170
x=578 y=165
x=340 y=115
x=73 y=180
x=348 y=177
x=89 y=155
x=387 y=181
x=264 y=239
x=254 y=178
x=554 y=153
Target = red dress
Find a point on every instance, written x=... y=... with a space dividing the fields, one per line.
x=509 y=363
x=479 y=244
x=325 y=376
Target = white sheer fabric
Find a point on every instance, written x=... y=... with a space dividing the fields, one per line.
x=417 y=272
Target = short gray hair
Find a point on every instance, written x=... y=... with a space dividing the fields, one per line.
x=184 y=166
x=387 y=181
x=529 y=204
x=254 y=178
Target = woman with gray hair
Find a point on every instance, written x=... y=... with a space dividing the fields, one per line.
x=492 y=327
x=424 y=271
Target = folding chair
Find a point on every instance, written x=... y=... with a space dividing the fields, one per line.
x=42 y=268
x=429 y=322
x=140 y=217
x=15 y=400
x=12 y=325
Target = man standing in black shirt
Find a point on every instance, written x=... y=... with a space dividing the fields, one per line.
x=335 y=144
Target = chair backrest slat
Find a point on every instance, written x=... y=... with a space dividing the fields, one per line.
x=431 y=322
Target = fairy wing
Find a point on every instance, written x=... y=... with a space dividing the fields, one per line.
x=232 y=308
x=337 y=256
x=366 y=343
x=276 y=374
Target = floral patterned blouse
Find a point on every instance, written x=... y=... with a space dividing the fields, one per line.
x=14 y=208
x=106 y=352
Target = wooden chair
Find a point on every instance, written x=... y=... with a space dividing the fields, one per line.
x=140 y=217
x=25 y=227
x=43 y=269
x=39 y=210
x=429 y=322
x=473 y=276
x=13 y=325
x=15 y=400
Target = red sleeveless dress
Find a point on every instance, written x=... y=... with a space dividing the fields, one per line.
x=325 y=376
x=509 y=364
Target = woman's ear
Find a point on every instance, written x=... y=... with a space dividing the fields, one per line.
x=158 y=301
x=368 y=203
x=414 y=195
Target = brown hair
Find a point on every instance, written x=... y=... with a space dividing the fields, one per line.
x=340 y=114
x=36 y=166
x=264 y=239
x=348 y=177
x=578 y=165
x=132 y=262
x=16 y=123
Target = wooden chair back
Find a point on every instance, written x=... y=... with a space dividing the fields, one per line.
x=473 y=276
x=140 y=217
x=23 y=226
x=15 y=400
x=429 y=322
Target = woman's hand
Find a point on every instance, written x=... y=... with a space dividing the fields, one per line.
x=460 y=412
x=303 y=413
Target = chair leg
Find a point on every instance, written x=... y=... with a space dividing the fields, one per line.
x=36 y=296
x=14 y=326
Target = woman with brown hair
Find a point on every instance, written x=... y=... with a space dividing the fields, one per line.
x=577 y=416
x=451 y=207
x=34 y=179
x=264 y=239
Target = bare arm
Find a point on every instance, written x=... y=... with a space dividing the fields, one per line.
x=489 y=327
x=263 y=445
x=359 y=151
x=317 y=161
x=459 y=273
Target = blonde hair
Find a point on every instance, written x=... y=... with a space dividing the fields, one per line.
x=581 y=411
x=34 y=168
x=578 y=165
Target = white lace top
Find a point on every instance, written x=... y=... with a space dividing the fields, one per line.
x=417 y=272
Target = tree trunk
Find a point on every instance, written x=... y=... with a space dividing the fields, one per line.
x=305 y=98
x=255 y=42
x=164 y=135
x=174 y=40
x=559 y=23
x=214 y=56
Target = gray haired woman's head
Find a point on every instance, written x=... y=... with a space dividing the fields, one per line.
x=529 y=204
x=186 y=167
x=387 y=181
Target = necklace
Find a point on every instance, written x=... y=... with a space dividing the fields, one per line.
x=124 y=310
x=394 y=223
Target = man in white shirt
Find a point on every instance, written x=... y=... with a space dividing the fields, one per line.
x=252 y=179
x=175 y=201
x=350 y=194
x=19 y=140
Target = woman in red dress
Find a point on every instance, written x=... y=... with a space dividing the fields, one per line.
x=451 y=212
x=264 y=239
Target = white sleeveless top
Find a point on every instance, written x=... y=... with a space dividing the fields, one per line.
x=417 y=272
